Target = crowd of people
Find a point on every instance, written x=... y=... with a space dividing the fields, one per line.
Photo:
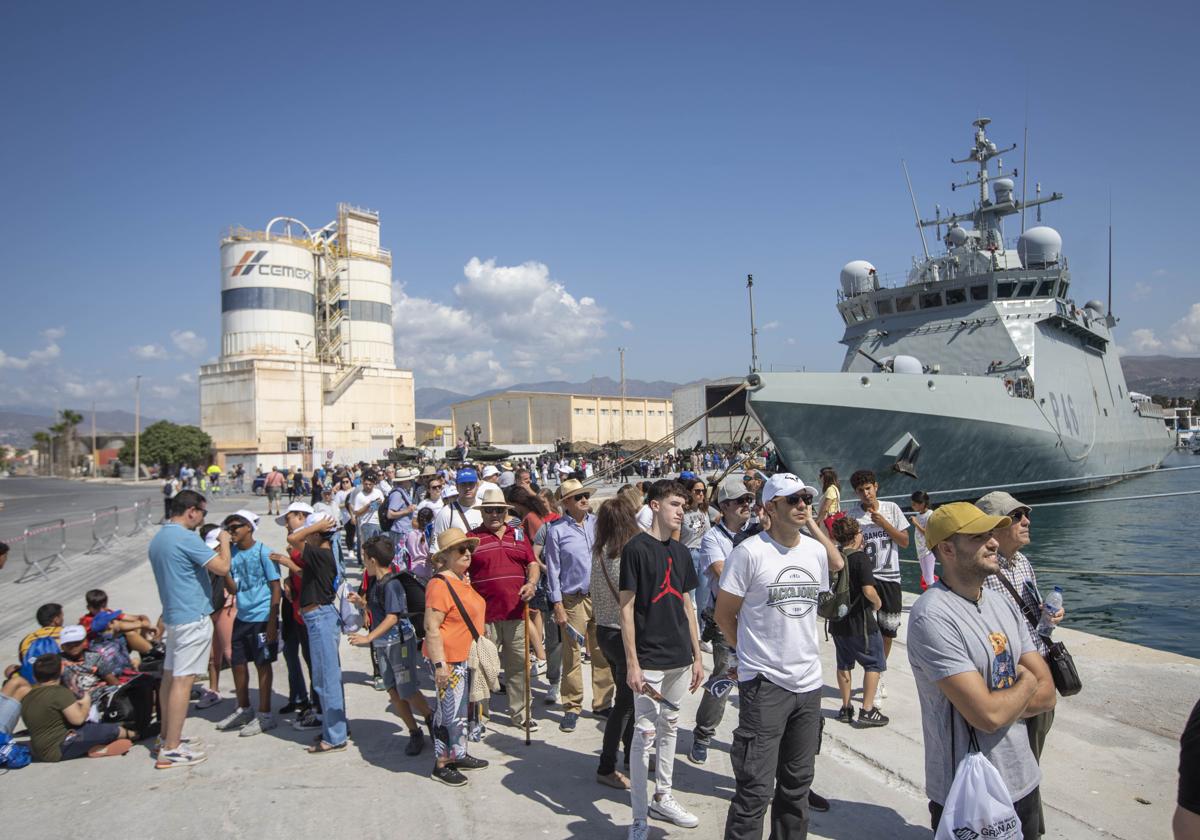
x=482 y=580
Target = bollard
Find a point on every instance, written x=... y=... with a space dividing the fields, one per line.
x=42 y=559
x=104 y=533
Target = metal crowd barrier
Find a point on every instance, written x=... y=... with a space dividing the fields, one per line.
x=44 y=544
x=106 y=529
x=143 y=516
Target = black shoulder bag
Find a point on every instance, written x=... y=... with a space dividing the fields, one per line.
x=1059 y=659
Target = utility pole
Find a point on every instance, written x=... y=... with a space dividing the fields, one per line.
x=137 y=428
x=753 y=331
x=305 y=463
x=95 y=451
x=621 y=350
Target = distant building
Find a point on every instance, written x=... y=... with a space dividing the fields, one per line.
x=724 y=425
x=529 y=418
x=307 y=372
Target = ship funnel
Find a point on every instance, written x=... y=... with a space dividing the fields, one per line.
x=1039 y=247
x=858 y=278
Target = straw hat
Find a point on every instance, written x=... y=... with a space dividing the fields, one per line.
x=452 y=538
x=406 y=474
x=428 y=471
x=491 y=497
x=571 y=487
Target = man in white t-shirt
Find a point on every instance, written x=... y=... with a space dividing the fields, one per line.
x=768 y=603
x=885 y=532
x=364 y=505
x=459 y=509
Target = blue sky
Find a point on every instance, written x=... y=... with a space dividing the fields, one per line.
x=619 y=168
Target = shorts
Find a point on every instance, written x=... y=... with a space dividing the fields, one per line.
x=867 y=652
x=274 y=492
x=398 y=663
x=188 y=647
x=892 y=611
x=245 y=644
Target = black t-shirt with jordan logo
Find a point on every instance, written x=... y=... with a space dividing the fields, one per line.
x=660 y=574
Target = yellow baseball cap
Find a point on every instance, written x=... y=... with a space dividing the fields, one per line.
x=960 y=518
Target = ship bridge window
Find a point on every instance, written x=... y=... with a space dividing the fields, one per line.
x=905 y=304
x=1062 y=288
x=979 y=292
x=931 y=299
x=1026 y=288
x=1005 y=289
x=1046 y=289
x=884 y=307
x=954 y=296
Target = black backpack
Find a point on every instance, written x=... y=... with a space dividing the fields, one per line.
x=834 y=605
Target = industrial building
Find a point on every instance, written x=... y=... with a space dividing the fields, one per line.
x=728 y=424
x=307 y=371
x=529 y=418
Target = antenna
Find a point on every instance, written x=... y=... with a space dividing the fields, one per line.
x=1109 y=310
x=937 y=209
x=916 y=213
x=753 y=331
x=1025 y=167
x=1038 y=187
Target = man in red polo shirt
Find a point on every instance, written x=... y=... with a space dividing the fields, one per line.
x=504 y=572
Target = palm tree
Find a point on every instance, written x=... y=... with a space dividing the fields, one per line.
x=70 y=419
x=56 y=434
x=41 y=442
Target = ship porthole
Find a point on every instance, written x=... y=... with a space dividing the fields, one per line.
x=866 y=381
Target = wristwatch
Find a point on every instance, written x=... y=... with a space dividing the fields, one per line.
x=437 y=666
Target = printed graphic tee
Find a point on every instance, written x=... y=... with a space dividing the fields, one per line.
x=660 y=574
x=879 y=546
x=777 y=625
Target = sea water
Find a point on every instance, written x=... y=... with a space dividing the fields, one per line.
x=1073 y=545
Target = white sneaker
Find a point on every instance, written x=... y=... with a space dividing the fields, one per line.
x=669 y=809
x=640 y=830
x=551 y=695
x=207 y=699
x=706 y=647
x=261 y=723
x=239 y=718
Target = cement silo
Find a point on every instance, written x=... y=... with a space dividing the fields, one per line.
x=366 y=302
x=267 y=293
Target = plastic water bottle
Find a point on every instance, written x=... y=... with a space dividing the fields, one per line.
x=1053 y=604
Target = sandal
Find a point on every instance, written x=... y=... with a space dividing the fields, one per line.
x=323 y=747
x=615 y=779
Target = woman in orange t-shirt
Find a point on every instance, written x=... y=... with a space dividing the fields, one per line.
x=447 y=649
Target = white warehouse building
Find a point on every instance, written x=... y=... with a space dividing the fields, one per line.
x=724 y=426
x=307 y=371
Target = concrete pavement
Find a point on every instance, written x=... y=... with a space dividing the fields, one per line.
x=1111 y=745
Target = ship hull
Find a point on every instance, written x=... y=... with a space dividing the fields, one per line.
x=973 y=436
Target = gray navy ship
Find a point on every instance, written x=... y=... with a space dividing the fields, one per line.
x=977 y=372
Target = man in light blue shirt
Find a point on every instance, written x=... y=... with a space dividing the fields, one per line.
x=181 y=563
x=568 y=558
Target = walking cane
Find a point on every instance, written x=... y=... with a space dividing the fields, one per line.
x=528 y=690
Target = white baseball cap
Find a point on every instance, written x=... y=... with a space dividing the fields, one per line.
x=72 y=633
x=250 y=516
x=316 y=519
x=294 y=507
x=490 y=470
x=449 y=492
x=785 y=484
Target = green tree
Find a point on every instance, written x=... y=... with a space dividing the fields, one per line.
x=41 y=443
x=169 y=444
x=69 y=419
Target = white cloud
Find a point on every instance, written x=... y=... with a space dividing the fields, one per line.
x=1141 y=290
x=149 y=351
x=770 y=325
x=93 y=389
x=188 y=342
x=503 y=319
x=1185 y=333
x=187 y=379
x=1141 y=342
x=36 y=357
x=166 y=392
x=626 y=325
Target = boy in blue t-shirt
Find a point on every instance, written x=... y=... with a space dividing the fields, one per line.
x=254 y=579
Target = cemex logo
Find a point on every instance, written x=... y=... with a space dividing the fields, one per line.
x=252 y=261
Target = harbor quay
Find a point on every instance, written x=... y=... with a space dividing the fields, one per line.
x=1109 y=768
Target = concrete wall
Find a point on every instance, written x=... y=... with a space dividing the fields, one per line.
x=518 y=418
x=251 y=408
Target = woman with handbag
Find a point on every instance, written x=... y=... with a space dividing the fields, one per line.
x=453 y=613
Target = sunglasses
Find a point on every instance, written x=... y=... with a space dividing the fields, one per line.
x=744 y=500
x=797 y=498
x=582 y=497
x=1017 y=515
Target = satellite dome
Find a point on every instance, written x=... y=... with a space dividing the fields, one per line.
x=1039 y=247
x=1096 y=306
x=1003 y=188
x=907 y=364
x=858 y=278
x=956 y=235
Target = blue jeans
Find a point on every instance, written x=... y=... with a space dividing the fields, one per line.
x=365 y=532
x=323 y=635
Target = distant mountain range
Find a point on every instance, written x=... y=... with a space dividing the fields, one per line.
x=434 y=403
x=1171 y=376
x=17 y=425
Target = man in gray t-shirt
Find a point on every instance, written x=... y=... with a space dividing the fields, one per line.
x=975 y=665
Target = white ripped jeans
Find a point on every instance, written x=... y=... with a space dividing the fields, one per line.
x=651 y=719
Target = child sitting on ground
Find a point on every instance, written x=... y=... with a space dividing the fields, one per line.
x=102 y=623
x=50 y=711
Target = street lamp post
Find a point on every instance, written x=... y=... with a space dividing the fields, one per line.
x=137 y=428
x=305 y=454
